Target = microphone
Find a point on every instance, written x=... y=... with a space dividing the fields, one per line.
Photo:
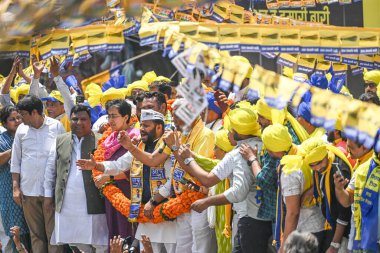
x=163 y=145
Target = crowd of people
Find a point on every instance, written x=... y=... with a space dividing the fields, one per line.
x=268 y=179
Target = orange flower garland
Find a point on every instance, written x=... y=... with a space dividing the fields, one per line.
x=170 y=210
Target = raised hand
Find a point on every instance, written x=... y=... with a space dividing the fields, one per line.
x=185 y=152
x=54 y=66
x=340 y=182
x=37 y=67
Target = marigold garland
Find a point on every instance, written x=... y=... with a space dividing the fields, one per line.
x=170 y=209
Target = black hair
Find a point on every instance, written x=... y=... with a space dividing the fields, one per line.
x=158 y=95
x=30 y=103
x=163 y=87
x=370 y=97
x=80 y=108
x=159 y=122
x=5 y=113
x=122 y=107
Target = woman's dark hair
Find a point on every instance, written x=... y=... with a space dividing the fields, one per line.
x=30 y=103
x=5 y=113
x=123 y=107
x=80 y=108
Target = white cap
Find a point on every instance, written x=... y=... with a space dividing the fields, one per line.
x=151 y=115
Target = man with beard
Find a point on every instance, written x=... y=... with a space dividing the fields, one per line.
x=143 y=179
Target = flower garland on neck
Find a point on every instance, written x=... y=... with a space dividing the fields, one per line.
x=168 y=210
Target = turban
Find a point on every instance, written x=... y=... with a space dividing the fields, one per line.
x=313 y=150
x=20 y=90
x=263 y=109
x=162 y=78
x=372 y=76
x=141 y=84
x=319 y=81
x=94 y=93
x=211 y=104
x=149 y=77
x=304 y=111
x=276 y=138
x=300 y=77
x=54 y=96
x=245 y=60
x=111 y=94
x=244 y=121
x=222 y=141
x=272 y=114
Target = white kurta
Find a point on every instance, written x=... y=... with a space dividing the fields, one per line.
x=73 y=224
x=164 y=232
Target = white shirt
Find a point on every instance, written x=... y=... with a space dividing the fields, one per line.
x=30 y=153
x=311 y=218
x=69 y=101
x=242 y=192
x=73 y=224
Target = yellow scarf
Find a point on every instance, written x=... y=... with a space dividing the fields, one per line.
x=300 y=131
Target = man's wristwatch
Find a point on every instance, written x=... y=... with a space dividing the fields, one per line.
x=174 y=148
x=251 y=161
x=188 y=160
x=153 y=202
x=335 y=245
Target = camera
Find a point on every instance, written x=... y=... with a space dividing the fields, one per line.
x=130 y=244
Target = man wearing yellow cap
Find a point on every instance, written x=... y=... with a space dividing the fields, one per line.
x=338 y=139
x=371 y=81
x=244 y=86
x=292 y=183
x=325 y=161
x=252 y=232
x=266 y=178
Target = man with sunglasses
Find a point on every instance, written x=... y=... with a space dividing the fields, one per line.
x=371 y=81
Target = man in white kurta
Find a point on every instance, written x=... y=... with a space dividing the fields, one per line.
x=162 y=235
x=73 y=224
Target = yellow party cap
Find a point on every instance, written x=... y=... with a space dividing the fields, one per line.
x=149 y=77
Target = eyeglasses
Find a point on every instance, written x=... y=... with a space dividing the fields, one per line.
x=113 y=116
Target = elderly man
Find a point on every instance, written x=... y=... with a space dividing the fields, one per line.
x=253 y=232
